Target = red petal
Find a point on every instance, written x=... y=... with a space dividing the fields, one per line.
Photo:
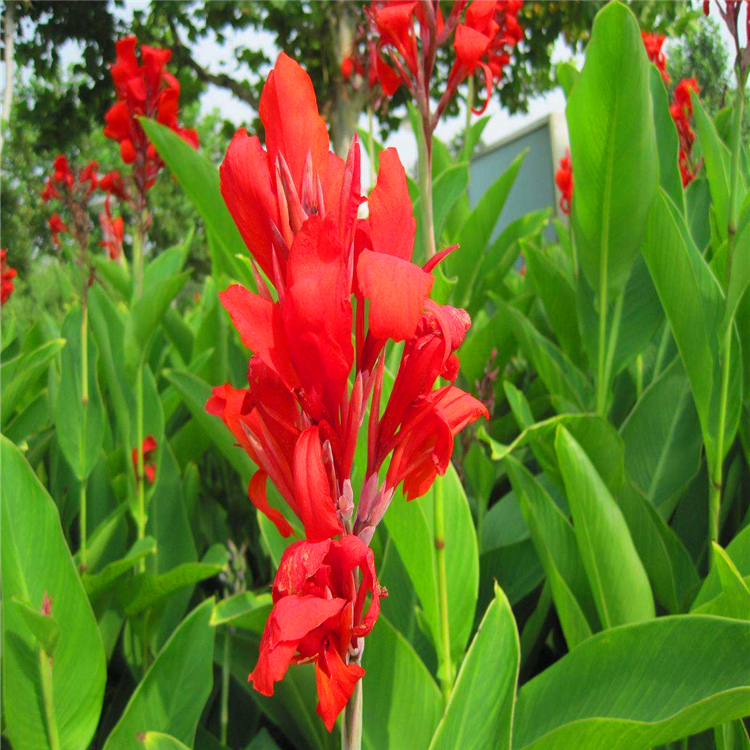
x=316 y=507
x=250 y=196
x=397 y=290
x=300 y=561
x=469 y=45
x=289 y=112
x=392 y=223
x=256 y=491
x=291 y=619
x=261 y=329
x=226 y=402
x=336 y=682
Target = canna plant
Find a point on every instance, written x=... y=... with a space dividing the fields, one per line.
x=328 y=515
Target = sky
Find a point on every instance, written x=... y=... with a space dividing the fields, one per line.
x=220 y=57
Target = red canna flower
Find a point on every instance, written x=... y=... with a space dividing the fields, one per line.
x=653 y=44
x=57 y=227
x=144 y=89
x=564 y=182
x=149 y=458
x=113 y=232
x=319 y=615
x=7 y=274
x=681 y=111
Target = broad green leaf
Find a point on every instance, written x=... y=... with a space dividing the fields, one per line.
x=146 y=316
x=735 y=590
x=36 y=561
x=30 y=420
x=447 y=189
x=159 y=741
x=473 y=134
x=738 y=550
x=639 y=686
x=79 y=427
x=613 y=150
x=21 y=372
x=566 y=74
x=400 y=698
x=489 y=344
x=245 y=610
x=195 y=393
x=740 y=277
x=474 y=236
x=146 y=590
x=411 y=527
x=667 y=141
x=172 y=695
x=555 y=543
x=694 y=305
x=115 y=274
x=619 y=583
x=667 y=562
x=486 y=686
x=166 y=264
x=662 y=437
x=716 y=162
x=200 y=181
x=95 y=583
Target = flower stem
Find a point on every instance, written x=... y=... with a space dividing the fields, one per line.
x=141 y=519
x=469 y=107
x=425 y=190
x=371 y=146
x=45 y=668
x=351 y=728
x=82 y=511
x=446 y=668
x=225 y=687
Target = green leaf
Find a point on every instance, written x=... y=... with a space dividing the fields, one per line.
x=159 y=741
x=694 y=305
x=472 y=137
x=79 y=427
x=195 y=393
x=200 y=181
x=96 y=583
x=171 y=696
x=618 y=580
x=448 y=188
x=662 y=435
x=566 y=74
x=716 y=162
x=45 y=628
x=21 y=372
x=639 y=686
x=740 y=278
x=667 y=141
x=35 y=561
x=736 y=592
x=115 y=274
x=667 y=562
x=613 y=150
x=146 y=316
x=486 y=686
x=475 y=234
x=555 y=543
x=146 y=590
x=411 y=527
x=400 y=698
x=246 y=610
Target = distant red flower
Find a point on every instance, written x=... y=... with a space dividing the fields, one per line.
x=113 y=232
x=7 y=274
x=57 y=227
x=653 y=44
x=144 y=89
x=564 y=182
x=681 y=111
x=149 y=459
x=318 y=615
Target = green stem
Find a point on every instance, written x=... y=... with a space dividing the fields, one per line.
x=371 y=146
x=601 y=386
x=138 y=256
x=225 y=687
x=141 y=519
x=446 y=668
x=638 y=377
x=469 y=107
x=661 y=353
x=45 y=667
x=82 y=512
x=351 y=728
x=425 y=190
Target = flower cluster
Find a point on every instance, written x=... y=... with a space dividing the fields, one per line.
x=484 y=36
x=7 y=274
x=341 y=288
x=564 y=182
x=681 y=111
x=143 y=89
x=113 y=228
x=74 y=192
x=653 y=44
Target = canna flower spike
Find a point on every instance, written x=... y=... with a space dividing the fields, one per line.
x=7 y=274
x=339 y=288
